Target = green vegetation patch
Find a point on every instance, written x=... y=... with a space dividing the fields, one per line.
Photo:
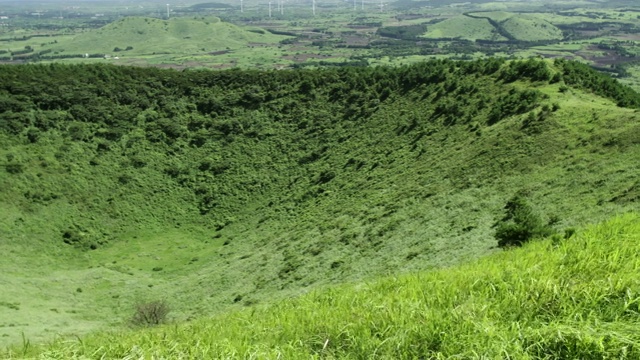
x=556 y=298
x=529 y=28
x=520 y=27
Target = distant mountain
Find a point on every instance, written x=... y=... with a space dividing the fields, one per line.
x=495 y=26
x=143 y=35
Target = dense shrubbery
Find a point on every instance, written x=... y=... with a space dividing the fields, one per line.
x=532 y=69
x=113 y=111
x=408 y=32
x=194 y=100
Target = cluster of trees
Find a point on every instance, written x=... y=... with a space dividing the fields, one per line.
x=618 y=47
x=114 y=96
x=118 y=49
x=531 y=69
x=27 y=49
x=588 y=30
x=406 y=32
x=582 y=76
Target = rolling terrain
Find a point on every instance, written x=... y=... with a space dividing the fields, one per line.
x=530 y=28
x=464 y=27
x=222 y=190
x=495 y=26
x=139 y=36
x=604 y=35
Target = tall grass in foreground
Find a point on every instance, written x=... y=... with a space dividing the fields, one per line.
x=577 y=298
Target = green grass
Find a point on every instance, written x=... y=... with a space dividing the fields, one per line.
x=553 y=298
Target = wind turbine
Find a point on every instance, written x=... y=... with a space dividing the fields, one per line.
x=313 y=7
x=241 y=7
x=168 y=11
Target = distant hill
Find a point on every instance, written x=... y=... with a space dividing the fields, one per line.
x=464 y=27
x=530 y=28
x=495 y=26
x=150 y=35
x=522 y=27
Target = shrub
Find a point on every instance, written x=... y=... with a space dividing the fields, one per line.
x=14 y=168
x=520 y=224
x=150 y=313
x=568 y=233
x=80 y=238
x=33 y=134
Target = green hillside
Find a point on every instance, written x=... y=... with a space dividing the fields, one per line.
x=521 y=27
x=529 y=28
x=465 y=28
x=573 y=298
x=220 y=190
x=146 y=36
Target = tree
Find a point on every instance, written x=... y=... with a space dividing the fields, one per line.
x=520 y=224
x=150 y=313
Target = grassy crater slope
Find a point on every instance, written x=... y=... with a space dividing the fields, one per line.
x=148 y=36
x=217 y=190
x=575 y=298
x=519 y=27
x=464 y=27
x=531 y=28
